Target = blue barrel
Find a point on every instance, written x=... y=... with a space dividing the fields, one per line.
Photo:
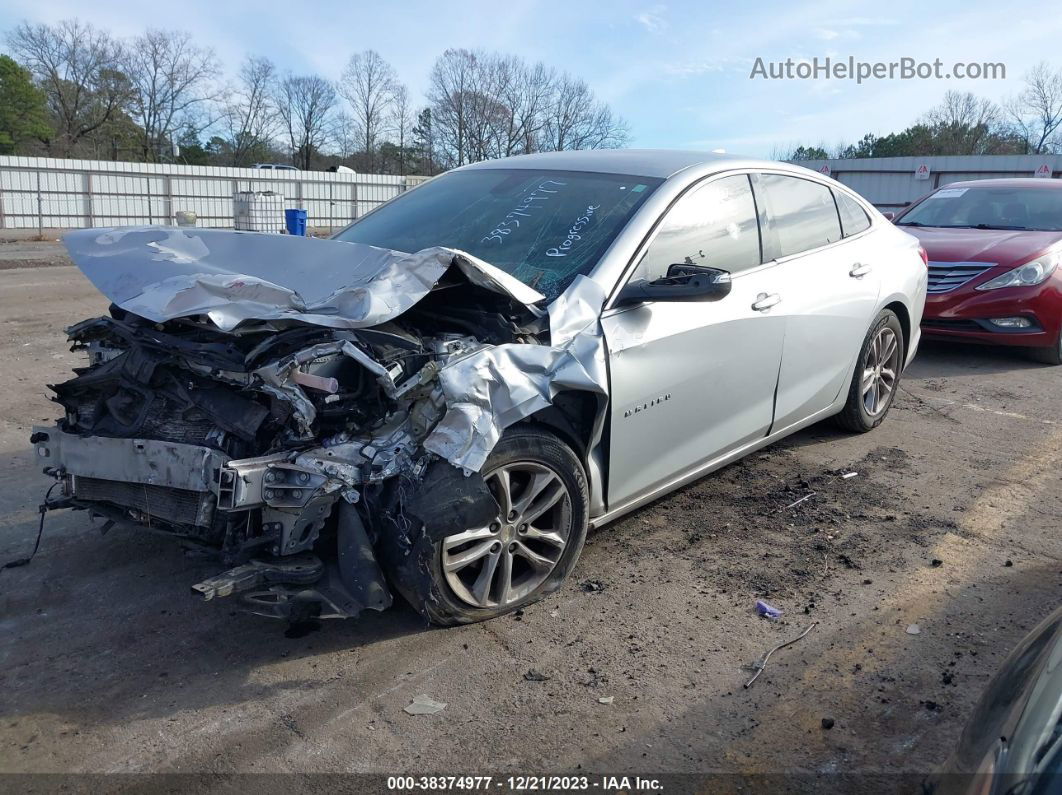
x=295 y=221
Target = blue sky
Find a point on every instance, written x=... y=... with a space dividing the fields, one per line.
x=677 y=71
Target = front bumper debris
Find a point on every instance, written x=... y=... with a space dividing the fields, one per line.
x=295 y=570
x=258 y=413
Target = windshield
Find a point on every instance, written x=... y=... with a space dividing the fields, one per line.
x=1037 y=209
x=543 y=227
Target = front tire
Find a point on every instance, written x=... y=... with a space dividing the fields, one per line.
x=525 y=553
x=1050 y=355
x=877 y=375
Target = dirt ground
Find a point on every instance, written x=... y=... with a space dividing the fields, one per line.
x=18 y=249
x=951 y=522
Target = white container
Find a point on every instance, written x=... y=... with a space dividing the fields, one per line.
x=258 y=211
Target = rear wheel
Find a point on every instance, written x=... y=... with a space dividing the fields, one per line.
x=525 y=552
x=877 y=375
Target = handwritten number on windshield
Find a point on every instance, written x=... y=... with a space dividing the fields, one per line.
x=524 y=209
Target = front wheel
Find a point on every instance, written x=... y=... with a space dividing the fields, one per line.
x=1048 y=355
x=877 y=375
x=528 y=548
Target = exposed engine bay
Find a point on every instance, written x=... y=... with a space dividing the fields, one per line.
x=279 y=430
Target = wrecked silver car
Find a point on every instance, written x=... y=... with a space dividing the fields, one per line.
x=573 y=335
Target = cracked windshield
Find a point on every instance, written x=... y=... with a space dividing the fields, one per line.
x=543 y=227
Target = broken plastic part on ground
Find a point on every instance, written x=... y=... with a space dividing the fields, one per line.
x=424 y=705
x=766 y=610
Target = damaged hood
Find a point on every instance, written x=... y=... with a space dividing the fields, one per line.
x=162 y=273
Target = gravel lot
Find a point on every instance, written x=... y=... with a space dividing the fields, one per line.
x=952 y=523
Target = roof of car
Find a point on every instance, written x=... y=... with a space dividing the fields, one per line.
x=1013 y=182
x=661 y=163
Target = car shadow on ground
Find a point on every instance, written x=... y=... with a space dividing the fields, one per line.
x=937 y=359
x=128 y=593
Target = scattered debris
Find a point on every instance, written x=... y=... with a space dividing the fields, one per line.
x=914 y=629
x=536 y=676
x=759 y=666
x=848 y=475
x=827 y=723
x=849 y=563
x=795 y=504
x=590 y=586
x=606 y=699
x=766 y=610
x=936 y=563
x=930 y=406
x=425 y=705
x=592 y=678
x=826 y=565
x=554 y=613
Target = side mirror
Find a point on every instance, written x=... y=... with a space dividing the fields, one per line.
x=682 y=283
x=889 y=216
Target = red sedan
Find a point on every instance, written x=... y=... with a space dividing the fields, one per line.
x=994 y=246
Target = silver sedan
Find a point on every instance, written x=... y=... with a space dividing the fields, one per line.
x=442 y=399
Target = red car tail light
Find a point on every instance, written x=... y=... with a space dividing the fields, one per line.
x=924 y=255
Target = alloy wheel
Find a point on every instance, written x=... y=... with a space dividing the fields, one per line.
x=880 y=367
x=507 y=560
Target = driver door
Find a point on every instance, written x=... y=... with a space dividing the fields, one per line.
x=691 y=381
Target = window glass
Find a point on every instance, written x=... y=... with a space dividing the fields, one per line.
x=543 y=227
x=803 y=213
x=1005 y=207
x=853 y=217
x=713 y=226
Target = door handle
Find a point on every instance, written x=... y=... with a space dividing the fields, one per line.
x=859 y=270
x=764 y=301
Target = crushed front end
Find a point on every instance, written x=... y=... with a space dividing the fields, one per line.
x=281 y=446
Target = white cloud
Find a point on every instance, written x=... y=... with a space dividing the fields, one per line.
x=830 y=34
x=715 y=65
x=859 y=22
x=652 y=19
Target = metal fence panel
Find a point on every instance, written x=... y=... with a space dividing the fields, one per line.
x=38 y=192
x=890 y=183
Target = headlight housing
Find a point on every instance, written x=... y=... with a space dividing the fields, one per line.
x=1031 y=273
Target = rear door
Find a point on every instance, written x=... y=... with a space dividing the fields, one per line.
x=691 y=381
x=830 y=282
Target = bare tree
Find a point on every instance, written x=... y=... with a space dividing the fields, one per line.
x=369 y=85
x=306 y=107
x=528 y=98
x=577 y=120
x=966 y=109
x=345 y=136
x=401 y=124
x=965 y=124
x=78 y=67
x=249 y=117
x=488 y=105
x=450 y=86
x=1036 y=112
x=173 y=80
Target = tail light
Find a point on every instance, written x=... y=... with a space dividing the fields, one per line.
x=924 y=255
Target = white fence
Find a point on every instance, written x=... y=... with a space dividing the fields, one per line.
x=40 y=192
